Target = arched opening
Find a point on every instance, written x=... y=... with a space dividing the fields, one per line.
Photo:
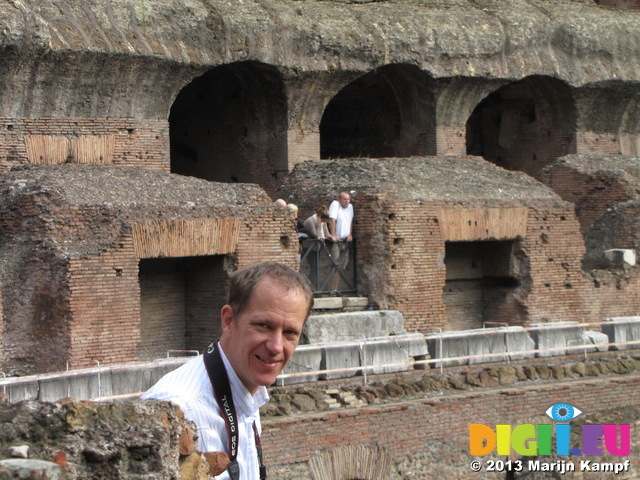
x=389 y=112
x=525 y=125
x=230 y=125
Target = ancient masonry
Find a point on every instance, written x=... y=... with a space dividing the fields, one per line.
x=491 y=148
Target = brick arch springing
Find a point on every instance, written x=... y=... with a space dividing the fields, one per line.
x=230 y=125
x=608 y=118
x=524 y=125
x=389 y=112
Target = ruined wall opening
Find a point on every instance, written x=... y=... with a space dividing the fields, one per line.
x=389 y=112
x=480 y=283
x=524 y=125
x=180 y=302
x=230 y=125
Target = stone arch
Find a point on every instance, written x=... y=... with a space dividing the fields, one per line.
x=608 y=118
x=389 y=112
x=230 y=125
x=524 y=125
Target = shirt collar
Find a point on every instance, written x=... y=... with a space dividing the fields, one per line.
x=246 y=404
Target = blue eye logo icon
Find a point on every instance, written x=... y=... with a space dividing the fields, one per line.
x=563 y=412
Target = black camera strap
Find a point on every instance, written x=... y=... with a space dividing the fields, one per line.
x=222 y=393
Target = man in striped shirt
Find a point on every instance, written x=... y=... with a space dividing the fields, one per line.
x=262 y=321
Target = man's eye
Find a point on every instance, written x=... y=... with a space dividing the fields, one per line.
x=563 y=412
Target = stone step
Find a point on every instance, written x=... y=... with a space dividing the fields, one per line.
x=333 y=326
x=347 y=304
x=331 y=402
x=338 y=397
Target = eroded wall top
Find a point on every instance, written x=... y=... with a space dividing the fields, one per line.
x=125 y=57
x=466 y=180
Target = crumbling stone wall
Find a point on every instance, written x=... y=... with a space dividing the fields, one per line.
x=133 y=72
x=73 y=237
x=407 y=210
x=421 y=420
x=604 y=190
x=141 y=440
x=127 y=84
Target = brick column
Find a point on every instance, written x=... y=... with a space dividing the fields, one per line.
x=302 y=145
x=451 y=141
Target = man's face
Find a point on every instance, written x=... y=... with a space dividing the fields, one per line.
x=260 y=341
x=345 y=200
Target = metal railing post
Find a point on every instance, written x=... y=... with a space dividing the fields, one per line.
x=506 y=336
x=99 y=381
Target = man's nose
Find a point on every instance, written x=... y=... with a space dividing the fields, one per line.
x=274 y=344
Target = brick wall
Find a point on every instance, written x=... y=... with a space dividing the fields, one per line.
x=593 y=142
x=612 y=294
x=554 y=249
x=402 y=265
x=407 y=428
x=107 y=324
x=37 y=322
x=270 y=236
x=451 y=141
x=398 y=247
x=142 y=143
x=592 y=193
x=302 y=145
x=402 y=259
x=104 y=312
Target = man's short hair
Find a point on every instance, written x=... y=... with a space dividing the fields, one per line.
x=243 y=282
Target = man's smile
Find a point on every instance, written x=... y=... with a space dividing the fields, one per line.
x=267 y=360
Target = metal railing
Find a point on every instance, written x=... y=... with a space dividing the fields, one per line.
x=440 y=362
x=365 y=368
x=323 y=267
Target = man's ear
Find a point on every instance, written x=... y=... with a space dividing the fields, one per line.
x=226 y=316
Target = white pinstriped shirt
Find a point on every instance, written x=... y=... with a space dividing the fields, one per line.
x=190 y=388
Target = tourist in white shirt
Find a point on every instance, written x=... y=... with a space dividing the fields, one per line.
x=341 y=229
x=267 y=306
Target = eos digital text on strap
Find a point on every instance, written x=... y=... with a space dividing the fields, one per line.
x=222 y=393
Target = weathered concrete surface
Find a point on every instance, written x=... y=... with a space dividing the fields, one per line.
x=393 y=354
x=486 y=345
x=554 y=338
x=623 y=330
x=93 y=383
x=353 y=326
x=306 y=358
x=140 y=54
